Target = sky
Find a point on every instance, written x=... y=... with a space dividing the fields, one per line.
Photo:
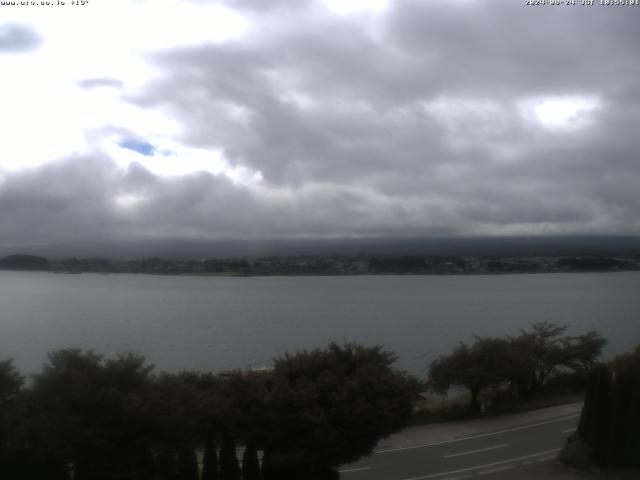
x=222 y=119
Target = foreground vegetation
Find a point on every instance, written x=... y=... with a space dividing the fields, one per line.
x=507 y=371
x=96 y=418
x=540 y=367
x=88 y=417
x=607 y=434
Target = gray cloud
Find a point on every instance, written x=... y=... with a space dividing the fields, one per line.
x=89 y=83
x=366 y=93
x=261 y=6
x=492 y=47
x=16 y=38
x=411 y=124
x=85 y=199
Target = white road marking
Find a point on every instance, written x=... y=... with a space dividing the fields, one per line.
x=569 y=430
x=545 y=459
x=471 y=437
x=496 y=470
x=349 y=470
x=476 y=451
x=479 y=467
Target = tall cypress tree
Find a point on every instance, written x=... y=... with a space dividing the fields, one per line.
x=594 y=426
x=250 y=464
x=268 y=471
x=621 y=407
x=633 y=447
x=166 y=465
x=210 y=460
x=145 y=466
x=229 y=467
x=625 y=414
x=188 y=464
x=610 y=416
x=602 y=421
x=588 y=412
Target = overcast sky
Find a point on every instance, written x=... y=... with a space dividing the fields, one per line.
x=195 y=119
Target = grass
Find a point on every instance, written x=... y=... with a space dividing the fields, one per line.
x=454 y=408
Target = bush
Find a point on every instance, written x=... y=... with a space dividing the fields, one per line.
x=610 y=416
x=574 y=454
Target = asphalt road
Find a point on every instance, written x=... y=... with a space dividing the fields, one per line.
x=483 y=455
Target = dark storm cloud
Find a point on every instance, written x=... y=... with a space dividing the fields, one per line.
x=56 y=201
x=87 y=198
x=90 y=198
x=16 y=38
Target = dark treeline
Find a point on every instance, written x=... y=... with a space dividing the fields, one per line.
x=541 y=360
x=88 y=417
x=325 y=265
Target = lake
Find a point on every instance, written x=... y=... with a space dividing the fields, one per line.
x=221 y=323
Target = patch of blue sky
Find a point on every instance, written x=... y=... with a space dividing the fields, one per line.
x=143 y=148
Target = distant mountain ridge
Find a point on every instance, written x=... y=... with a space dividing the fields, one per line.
x=552 y=246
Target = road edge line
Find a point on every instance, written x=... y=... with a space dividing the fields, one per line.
x=478 y=467
x=480 y=435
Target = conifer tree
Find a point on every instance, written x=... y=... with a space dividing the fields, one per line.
x=167 y=466
x=188 y=464
x=210 y=459
x=229 y=467
x=625 y=415
x=250 y=464
x=268 y=471
x=594 y=427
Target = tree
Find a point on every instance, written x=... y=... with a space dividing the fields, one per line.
x=610 y=417
x=327 y=407
x=210 y=459
x=229 y=467
x=10 y=382
x=188 y=464
x=167 y=467
x=477 y=367
x=269 y=470
x=250 y=463
x=524 y=363
x=92 y=413
x=626 y=408
x=10 y=416
x=542 y=352
x=593 y=426
x=175 y=403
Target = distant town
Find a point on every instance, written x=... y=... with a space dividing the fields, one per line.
x=324 y=265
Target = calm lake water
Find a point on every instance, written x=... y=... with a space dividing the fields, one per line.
x=218 y=323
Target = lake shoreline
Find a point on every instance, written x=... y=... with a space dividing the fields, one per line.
x=314 y=274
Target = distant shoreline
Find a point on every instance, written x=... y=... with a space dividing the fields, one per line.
x=332 y=265
x=311 y=274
